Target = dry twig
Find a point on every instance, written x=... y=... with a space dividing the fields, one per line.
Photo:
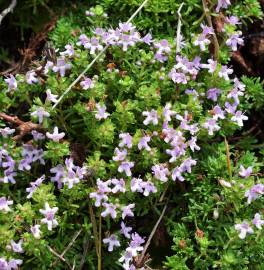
x=8 y=10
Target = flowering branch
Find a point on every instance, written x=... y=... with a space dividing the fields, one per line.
x=8 y=10
x=94 y=60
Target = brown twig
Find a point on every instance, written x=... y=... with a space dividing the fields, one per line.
x=8 y=10
x=209 y=20
x=24 y=128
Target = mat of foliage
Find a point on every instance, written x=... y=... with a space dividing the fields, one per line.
x=129 y=143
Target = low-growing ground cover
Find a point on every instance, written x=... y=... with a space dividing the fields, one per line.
x=129 y=144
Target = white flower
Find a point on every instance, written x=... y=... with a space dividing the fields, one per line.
x=55 y=136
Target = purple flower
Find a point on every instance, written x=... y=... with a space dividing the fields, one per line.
x=93 y=45
x=235 y=40
x=112 y=242
x=233 y=20
x=177 y=174
x=125 y=166
x=17 y=247
x=202 y=41
x=126 y=211
x=61 y=66
x=245 y=173
x=31 y=77
x=110 y=210
x=211 y=66
x=12 y=83
x=193 y=145
x=120 y=155
x=218 y=113
x=136 y=184
x=69 y=51
x=143 y=143
x=160 y=172
x=167 y=112
x=87 y=83
x=231 y=108
x=239 y=117
x=48 y=66
x=177 y=77
x=4 y=204
x=211 y=126
x=34 y=186
x=37 y=136
x=222 y=4
x=126 y=140
x=40 y=113
x=83 y=39
x=135 y=244
x=163 y=46
x=13 y=264
x=35 y=231
x=5 y=132
x=187 y=164
x=101 y=112
x=148 y=187
x=213 y=94
x=243 y=229
x=257 y=221
x=51 y=97
x=254 y=193
x=119 y=185
x=224 y=72
x=147 y=39
x=49 y=214
x=3 y=264
x=151 y=117
x=59 y=173
x=55 y=136
x=125 y=230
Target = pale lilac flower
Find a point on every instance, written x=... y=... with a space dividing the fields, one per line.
x=257 y=221
x=112 y=242
x=177 y=77
x=245 y=173
x=254 y=193
x=101 y=112
x=119 y=185
x=160 y=172
x=12 y=83
x=151 y=117
x=125 y=230
x=31 y=77
x=49 y=214
x=40 y=113
x=49 y=65
x=202 y=41
x=234 y=40
x=126 y=166
x=187 y=164
x=233 y=20
x=143 y=143
x=110 y=210
x=126 y=210
x=211 y=66
x=87 y=83
x=4 y=204
x=218 y=113
x=59 y=173
x=147 y=39
x=13 y=264
x=177 y=174
x=160 y=57
x=126 y=258
x=231 y=108
x=224 y=72
x=34 y=186
x=193 y=145
x=94 y=45
x=239 y=117
x=69 y=51
x=3 y=264
x=83 y=40
x=61 y=66
x=126 y=140
x=167 y=112
x=211 y=126
x=213 y=94
x=163 y=46
x=5 y=132
x=135 y=244
x=222 y=4
x=235 y=94
x=17 y=247
x=148 y=187
x=36 y=231
x=99 y=197
x=243 y=229
x=120 y=155
x=51 y=97
x=55 y=136
x=136 y=184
